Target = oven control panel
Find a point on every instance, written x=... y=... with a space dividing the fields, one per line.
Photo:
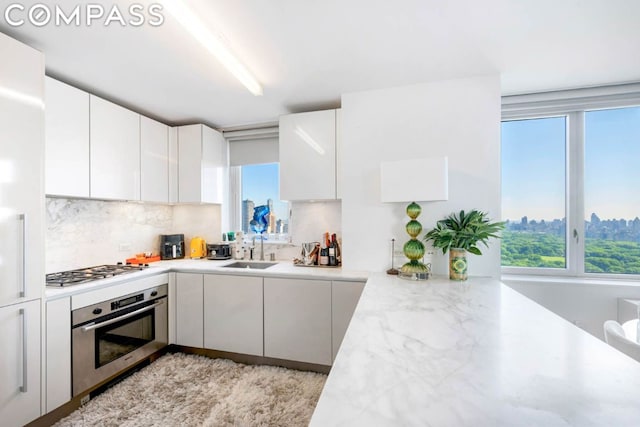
x=121 y=303
x=105 y=308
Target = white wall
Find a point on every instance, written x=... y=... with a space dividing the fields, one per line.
x=582 y=303
x=83 y=233
x=455 y=118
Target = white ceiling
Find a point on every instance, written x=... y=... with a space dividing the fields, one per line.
x=307 y=53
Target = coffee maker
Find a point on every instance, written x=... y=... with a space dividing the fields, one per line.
x=171 y=246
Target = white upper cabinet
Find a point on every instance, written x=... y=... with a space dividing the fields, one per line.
x=202 y=165
x=154 y=161
x=115 y=151
x=338 y=154
x=308 y=156
x=66 y=140
x=173 y=165
x=21 y=173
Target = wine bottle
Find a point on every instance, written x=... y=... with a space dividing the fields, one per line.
x=332 y=254
x=338 y=251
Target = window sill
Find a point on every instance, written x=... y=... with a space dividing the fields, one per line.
x=568 y=281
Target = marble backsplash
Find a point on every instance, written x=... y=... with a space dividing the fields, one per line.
x=308 y=223
x=83 y=233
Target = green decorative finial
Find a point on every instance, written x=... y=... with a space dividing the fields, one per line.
x=413 y=210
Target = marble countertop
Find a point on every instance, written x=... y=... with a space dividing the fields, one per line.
x=476 y=353
x=281 y=269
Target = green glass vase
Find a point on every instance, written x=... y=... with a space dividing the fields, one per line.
x=414 y=249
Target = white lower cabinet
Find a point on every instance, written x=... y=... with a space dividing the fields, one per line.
x=233 y=312
x=58 y=353
x=20 y=380
x=344 y=299
x=189 y=310
x=302 y=320
x=297 y=320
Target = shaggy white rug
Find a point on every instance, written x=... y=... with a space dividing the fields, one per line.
x=188 y=390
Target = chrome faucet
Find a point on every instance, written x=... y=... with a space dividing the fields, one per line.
x=261 y=247
x=251 y=248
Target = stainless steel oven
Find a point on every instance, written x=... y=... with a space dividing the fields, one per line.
x=111 y=336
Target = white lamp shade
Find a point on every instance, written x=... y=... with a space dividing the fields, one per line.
x=416 y=180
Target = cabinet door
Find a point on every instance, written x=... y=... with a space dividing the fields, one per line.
x=339 y=153
x=21 y=172
x=202 y=165
x=297 y=320
x=115 y=151
x=189 y=310
x=173 y=165
x=58 y=352
x=233 y=314
x=308 y=156
x=20 y=368
x=344 y=299
x=189 y=163
x=154 y=161
x=66 y=140
x=214 y=180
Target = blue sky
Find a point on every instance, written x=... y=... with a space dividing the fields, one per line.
x=533 y=166
x=259 y=183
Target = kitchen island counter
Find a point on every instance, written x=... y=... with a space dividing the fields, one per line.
x=445 y=353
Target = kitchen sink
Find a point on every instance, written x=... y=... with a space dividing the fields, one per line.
x=250 y=264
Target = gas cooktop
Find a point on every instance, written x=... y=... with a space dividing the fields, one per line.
x=84 y=275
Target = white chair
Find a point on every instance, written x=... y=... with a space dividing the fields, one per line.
x=614 y=336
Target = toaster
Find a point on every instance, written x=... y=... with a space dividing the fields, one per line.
x=198 y=248
x=218 y=251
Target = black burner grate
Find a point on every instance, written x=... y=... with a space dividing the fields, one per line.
x=74 y=277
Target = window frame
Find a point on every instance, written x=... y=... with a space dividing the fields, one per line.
x=573 y=105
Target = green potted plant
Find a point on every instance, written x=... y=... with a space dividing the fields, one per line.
x=460 y=233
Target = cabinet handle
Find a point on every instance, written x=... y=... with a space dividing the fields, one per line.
x=22 y=218
x=23 y=387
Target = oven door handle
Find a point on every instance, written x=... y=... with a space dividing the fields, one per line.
x=93 y=326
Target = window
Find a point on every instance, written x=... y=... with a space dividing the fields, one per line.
x=260 y=186
x=254 y=180
x=569 y=190
x=611 y=195
x=533 y=193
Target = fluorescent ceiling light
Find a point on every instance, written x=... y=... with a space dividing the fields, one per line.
x=213 y=44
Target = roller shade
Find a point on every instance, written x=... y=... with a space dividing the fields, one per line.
x=253 y=146
x=565 y=101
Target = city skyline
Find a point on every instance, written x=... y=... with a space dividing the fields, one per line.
x=616 y=229
x=260 y=183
